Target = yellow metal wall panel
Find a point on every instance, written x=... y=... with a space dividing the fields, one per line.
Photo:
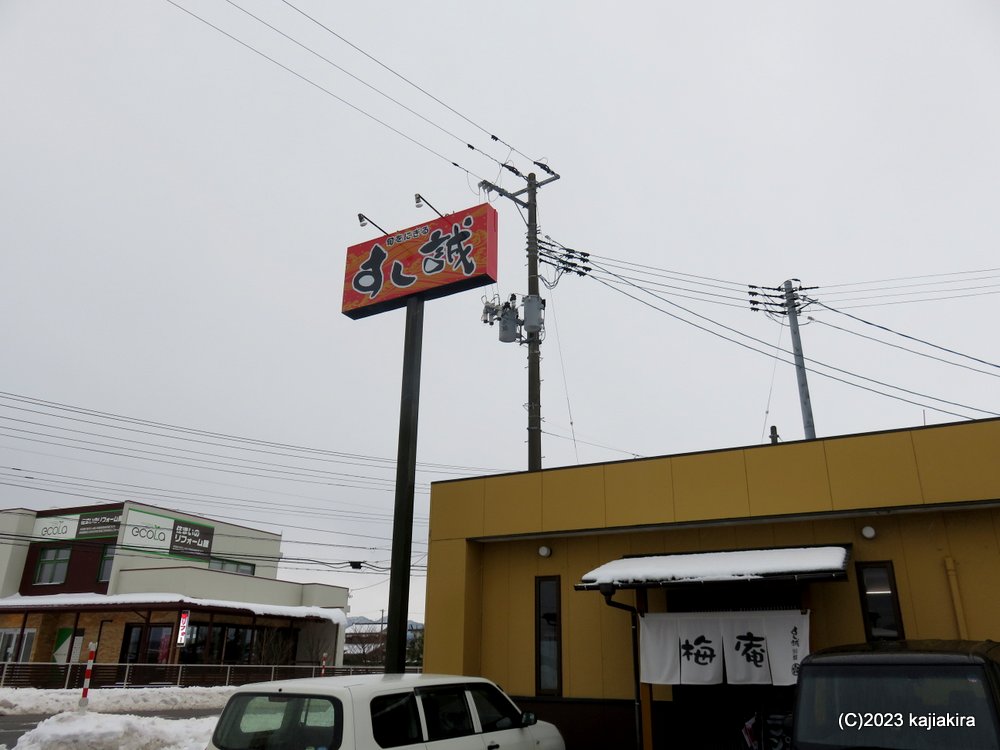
x=710 y=486
x=616 y=638
x=756 y=535
x=523 y=569
x=497 y=595
x=513 y=504
x=873 y=471
x=925 y=546
x=718 y=537
x=639 y=492
x=454 y=606
x=581 y=626
x=972 y=538
x=790 y=478
x=647 y=543
x=573 y=498
x=793 y=533
x=960 y=462
x=457 y=510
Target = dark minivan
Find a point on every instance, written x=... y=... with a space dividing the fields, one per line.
x=900 y=695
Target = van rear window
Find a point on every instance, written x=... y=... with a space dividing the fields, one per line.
x=280 y=722
x=902 y=707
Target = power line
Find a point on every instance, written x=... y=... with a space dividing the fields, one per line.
x=925 y=291
x=589 y=259
x=921 y=299
x=164 y=459
x=906 y=336
x=227 y=520
x=903 y=348
x=326 y=91
x=159 y=494
x=110 y=416
x=277 y=468
x=814 y=361
x=373 y=88
x=411 y=83
x=909 y=278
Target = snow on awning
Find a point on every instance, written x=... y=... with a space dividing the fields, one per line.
x=163 y=601
x=823 y=562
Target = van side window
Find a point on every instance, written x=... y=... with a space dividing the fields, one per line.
x=447 y=712
x=879 y=601
x=495 y=711
x=395 y=721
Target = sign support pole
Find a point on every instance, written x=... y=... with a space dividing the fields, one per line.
x=406 y=469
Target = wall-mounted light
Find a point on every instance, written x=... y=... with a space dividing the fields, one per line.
x=868 y=532
x=544 y=551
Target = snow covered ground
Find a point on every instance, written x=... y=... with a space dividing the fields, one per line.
x=107 y=723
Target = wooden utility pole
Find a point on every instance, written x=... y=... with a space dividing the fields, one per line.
x=533 y=338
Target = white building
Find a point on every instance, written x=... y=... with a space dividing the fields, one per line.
x=154 y=586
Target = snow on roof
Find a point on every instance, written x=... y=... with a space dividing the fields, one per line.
x=717 y=566
x=69 y=601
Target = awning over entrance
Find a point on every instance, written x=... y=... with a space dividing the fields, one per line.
x=775 y=563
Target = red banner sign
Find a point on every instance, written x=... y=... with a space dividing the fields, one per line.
x=432 y=260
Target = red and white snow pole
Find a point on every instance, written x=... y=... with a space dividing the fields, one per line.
x=322 y=665
x=84 y=700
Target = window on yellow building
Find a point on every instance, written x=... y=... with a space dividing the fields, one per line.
x=548 y=636
x=879 y=601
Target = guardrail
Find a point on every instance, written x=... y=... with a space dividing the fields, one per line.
x=49 y=676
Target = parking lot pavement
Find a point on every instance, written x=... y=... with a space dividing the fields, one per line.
x=12 y=727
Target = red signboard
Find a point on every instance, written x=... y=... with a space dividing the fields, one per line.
x=434 y=259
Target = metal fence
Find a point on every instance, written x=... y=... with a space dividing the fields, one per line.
x=50 y=676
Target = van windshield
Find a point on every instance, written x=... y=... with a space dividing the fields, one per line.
x=279 y=722
x=902 y=707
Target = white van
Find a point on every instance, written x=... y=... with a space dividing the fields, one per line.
x=368 y=712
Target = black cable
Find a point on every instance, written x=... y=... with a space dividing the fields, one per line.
x=181 y=477
x=157 y=495
x=291 y=476
x=370 y=86
x=911 y=294
x=227 y=520
x=905 y=335
x=411 y=83
x=827 y=287
x=818 y=372
x=312 y=472
x=903 y=348
x=195 y=466
x=391 y=462
x=921 y=299
x=340 y=99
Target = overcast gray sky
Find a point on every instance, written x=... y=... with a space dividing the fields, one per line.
x=175 y=210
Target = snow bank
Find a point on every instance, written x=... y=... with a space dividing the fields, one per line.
x=107 y=725
x=112 y=700
x=94 y=731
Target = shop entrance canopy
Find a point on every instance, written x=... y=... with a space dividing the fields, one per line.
x=775 y=563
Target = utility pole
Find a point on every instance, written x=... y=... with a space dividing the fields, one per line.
x=784 y=300
x=791 y=298
x=533 y=337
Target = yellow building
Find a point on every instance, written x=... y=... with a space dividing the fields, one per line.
x=915 y=511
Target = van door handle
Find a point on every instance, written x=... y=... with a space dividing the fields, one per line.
x=493 y=746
